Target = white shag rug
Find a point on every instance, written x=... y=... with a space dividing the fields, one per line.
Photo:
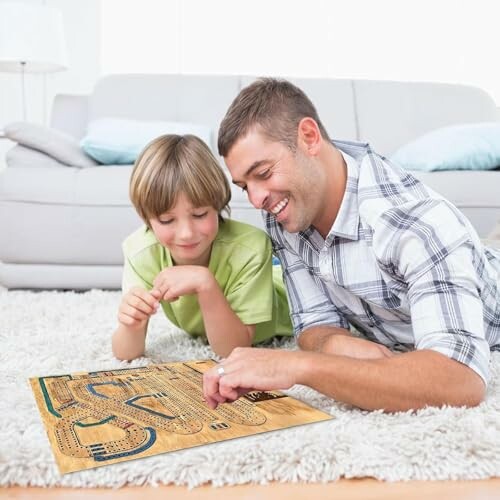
x=49 y=333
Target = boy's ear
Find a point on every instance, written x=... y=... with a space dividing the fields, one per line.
x=309 y=136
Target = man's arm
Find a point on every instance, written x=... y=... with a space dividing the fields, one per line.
x=400 y=383
x=339 y=341
x=407 y=381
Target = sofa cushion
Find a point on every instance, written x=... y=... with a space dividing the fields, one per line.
x=201 y=99
x=391 y=114
x=460 y=147
x=22 y=156
x=52 y=142
x=94 y=186
x=117 y=141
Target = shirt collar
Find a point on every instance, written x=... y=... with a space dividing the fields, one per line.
x=346 y=224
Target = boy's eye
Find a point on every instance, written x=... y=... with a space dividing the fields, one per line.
x=165 y=222
x=200 y=216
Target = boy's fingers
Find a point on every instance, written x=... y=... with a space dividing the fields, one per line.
x=139 y=304
x=135 y=313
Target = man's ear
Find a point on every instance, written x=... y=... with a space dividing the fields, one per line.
x=309 y=136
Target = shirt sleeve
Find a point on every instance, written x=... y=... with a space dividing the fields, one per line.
x=435 y=261
x=308 y=299
x=250 y=292
x=130 y=278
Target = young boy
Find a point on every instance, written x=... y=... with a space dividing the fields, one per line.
x=213 y=277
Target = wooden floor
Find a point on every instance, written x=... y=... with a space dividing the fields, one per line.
x=354 y=489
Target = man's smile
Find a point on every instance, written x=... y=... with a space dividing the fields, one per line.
x=279 y=207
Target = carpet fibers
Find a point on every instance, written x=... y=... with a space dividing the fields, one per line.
x=49 y=333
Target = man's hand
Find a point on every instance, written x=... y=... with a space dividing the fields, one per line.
x=174 y=282
x=248 y=369
x=137 y=306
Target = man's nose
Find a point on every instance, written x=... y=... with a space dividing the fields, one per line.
x=257 y=195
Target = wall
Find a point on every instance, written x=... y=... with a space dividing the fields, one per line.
x=82 y=31
x=452 y=41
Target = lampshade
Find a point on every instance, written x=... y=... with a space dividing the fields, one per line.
x=33 y=35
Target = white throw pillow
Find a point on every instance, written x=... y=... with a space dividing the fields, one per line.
x=21 y=156
x=52 y=142
x=114 y=141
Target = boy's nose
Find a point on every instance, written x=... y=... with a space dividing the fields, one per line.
x=185 y=232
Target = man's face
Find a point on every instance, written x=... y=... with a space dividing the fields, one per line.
x=283 y=183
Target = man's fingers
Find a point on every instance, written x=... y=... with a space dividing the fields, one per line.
x=230 y=388
x=211 y=387
x=211 y=403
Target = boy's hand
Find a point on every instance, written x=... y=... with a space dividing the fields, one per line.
x=177 y=281
x=137 y=306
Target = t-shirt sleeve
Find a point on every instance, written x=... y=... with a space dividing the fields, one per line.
x=435 y=262
x=250 y=292
x=130 y=277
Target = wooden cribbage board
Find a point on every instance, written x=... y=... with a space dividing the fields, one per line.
x=100 y=418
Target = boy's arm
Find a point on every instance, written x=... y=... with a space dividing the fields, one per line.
x=223 y=327
x=129 y=342
x=136 y=307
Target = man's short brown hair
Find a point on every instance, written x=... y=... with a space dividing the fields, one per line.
x=276 y=105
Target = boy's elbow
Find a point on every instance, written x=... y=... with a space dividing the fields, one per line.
x=125 y=355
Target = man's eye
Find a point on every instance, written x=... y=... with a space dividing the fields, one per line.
x=264 y=174
x=200 y=216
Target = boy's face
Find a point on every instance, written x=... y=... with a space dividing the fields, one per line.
x=187 y=231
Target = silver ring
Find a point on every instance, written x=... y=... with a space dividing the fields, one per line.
x=220 y=370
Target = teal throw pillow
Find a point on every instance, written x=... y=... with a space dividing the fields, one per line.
x=115 y=141
x=474 y=146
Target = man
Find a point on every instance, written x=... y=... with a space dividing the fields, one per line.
x=362 y=243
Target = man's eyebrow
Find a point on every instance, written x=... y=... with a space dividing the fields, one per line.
x=253 y=166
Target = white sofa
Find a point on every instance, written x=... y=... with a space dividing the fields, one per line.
x=62 y=227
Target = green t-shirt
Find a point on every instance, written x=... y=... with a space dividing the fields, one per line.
x=241 y=262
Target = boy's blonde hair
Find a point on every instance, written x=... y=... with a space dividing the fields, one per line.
x=173 y=164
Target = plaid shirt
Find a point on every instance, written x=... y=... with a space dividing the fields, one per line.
x=401 y=264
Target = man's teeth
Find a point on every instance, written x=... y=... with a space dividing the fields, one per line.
x=280 y=206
